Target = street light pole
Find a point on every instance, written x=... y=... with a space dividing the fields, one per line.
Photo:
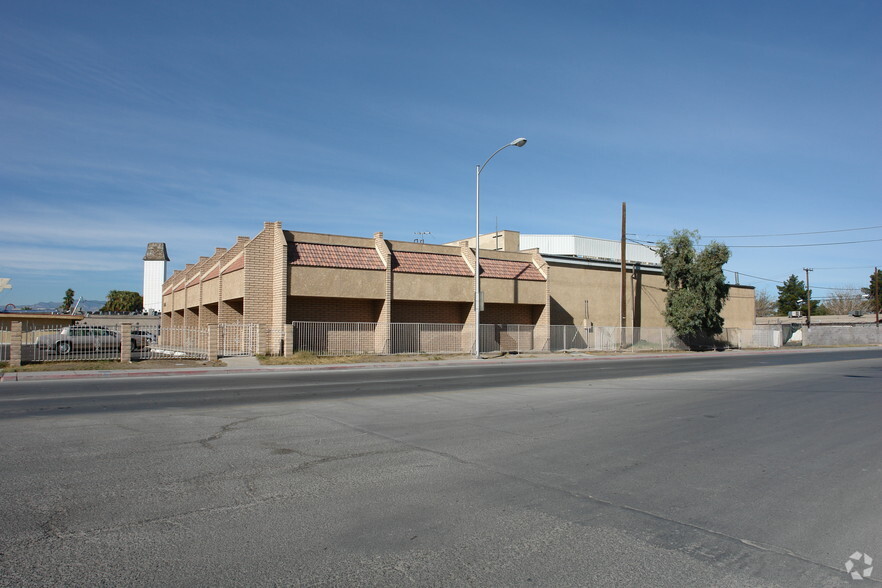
x=478 y=169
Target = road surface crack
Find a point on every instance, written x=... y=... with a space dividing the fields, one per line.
x=207 y=442
x=782 y=551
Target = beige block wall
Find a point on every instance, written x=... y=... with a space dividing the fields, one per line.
x=512 y=291
x=645 y=297
x=354 y=310
x=414 y=311
x=506 y=241
x=570 y=287
x=301 y=237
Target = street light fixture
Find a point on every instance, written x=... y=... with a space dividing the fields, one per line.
x=520 y=142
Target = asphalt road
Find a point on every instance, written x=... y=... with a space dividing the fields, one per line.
x=719 y=469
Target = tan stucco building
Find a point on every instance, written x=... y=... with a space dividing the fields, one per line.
x=281 y=276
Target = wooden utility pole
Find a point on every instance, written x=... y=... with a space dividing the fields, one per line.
x=808 y=295
x=624 y=307
x=876 y=301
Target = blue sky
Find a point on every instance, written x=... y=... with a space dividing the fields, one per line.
x=194 y=122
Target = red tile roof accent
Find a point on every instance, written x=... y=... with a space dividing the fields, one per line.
x=342 y=256
x=180 y=286
x=412 y=262
x=510 y=270
x=238 y=264
x=192 y=281
x=212 y=274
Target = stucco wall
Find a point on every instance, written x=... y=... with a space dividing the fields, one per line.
x=512 y=291
x=435 y=288
x=210 y=291
x=739 y=310
x=335 y=282
x=234 y=285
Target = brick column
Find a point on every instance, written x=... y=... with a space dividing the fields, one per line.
x=266 y=283
x=468 y=331
x=469 y=326
x=261 y=337
x=276 y=327
x=213 y=343
x=15 y=345
x=289 y=339
x=383 y=333
x=542 y=330
x=125 y=343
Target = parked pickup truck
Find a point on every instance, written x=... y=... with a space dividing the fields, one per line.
x=83 y=338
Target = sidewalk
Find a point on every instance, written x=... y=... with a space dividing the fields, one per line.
x=242 y=365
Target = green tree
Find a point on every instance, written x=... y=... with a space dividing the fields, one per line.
x=874 y=292
x=123 y=301
x=696 y=285
x=792 y=295
x=68 y=301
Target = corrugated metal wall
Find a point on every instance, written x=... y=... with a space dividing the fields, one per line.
x=589 y=247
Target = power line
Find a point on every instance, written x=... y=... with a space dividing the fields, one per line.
x=773 y=234
x=754 y=277
x=803 y=245
x=792 y=234
x=648 y=243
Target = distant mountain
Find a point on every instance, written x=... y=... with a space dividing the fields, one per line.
x=85 y=305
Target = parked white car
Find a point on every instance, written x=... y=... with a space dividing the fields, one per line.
x=86 y=338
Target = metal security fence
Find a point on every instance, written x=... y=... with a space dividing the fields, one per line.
x=75 y=343
x=94 y=343
x=634 y=339
x=570 y=338
x=237 y=339
x=335 y=338
x=508 y=338
x=639 y=339
x=5 y=342
x=428 y=337
x=411 y=338
x=177 y=342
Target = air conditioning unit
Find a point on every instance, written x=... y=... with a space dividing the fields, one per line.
x=857 y=313
x=794 y=314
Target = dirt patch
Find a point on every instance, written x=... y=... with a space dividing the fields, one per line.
x=307 y=358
